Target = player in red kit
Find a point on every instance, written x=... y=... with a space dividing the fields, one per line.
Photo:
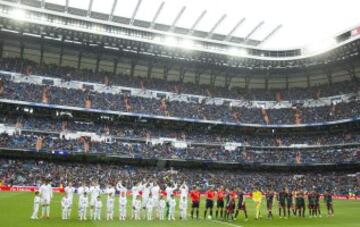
x=210 y=196
x=195 y=199
x=220 y=202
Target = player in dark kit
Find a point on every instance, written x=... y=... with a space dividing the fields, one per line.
x=230 y=205
x=312 y=204
x=329 y=203
x=269 y=203
x=195 y=199
x=281 y=197
x=289 y=202
x=317 y=204
x=300 y=203
x=210 y=196
x=241 y=204
x=220 y=202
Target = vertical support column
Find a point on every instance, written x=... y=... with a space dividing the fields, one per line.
x=267 y=83
x=1 y=48
x=182 y=74
x=228 y=79
x=166 y=72
x=329 y=75
x=197 y=77
x=149 y=71
x=61 y=52
x=308 y=80
x=79 y=59
x=116 y=61
x=132 y=69
x=247 y=82
x=41 y=52
x=98 y=58
x=22 y=50
x=212 y=78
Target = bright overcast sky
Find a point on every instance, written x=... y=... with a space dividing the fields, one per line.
x=304 y=21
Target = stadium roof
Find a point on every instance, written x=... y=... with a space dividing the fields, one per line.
x=300 y=22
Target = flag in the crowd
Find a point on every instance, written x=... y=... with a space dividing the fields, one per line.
x=298 y=158
x=355 y=31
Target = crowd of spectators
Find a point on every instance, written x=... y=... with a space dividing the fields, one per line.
x=247 y=155
x=68 y=73
x=189 y=134
x=30 y=173
x=225 y=113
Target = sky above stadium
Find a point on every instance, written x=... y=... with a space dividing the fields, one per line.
x=304 y=22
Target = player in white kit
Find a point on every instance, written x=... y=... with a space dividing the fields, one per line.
x=65 y=205
x=69 y=191
x=137 y=208
x=169 y=191
x=110 y=191
x=83 y=191
x=184 y=192
x=135 y=191
x=149 y=208
x=94 y=193
x=162 y=208
x=183 y=208
x=37 y=201
x=145 y=192
x=83 y=205
x=155 y=192
x=97 y=210
x=172 y=207
x=46 y=194
x=122 y=200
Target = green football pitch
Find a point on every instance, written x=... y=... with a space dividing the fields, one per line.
x=16 y=209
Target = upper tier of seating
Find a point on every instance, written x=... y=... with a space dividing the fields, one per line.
x=90 y=99
x=67 y=73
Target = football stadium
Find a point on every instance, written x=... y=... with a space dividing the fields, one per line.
x=191 y=113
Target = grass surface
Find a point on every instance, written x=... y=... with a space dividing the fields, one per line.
x=16 y=209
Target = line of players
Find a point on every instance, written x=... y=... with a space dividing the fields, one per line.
x=293 y=202
x=148 y=199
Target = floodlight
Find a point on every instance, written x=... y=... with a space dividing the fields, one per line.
x=170 y=41
x=18 y=14
x=238 y=52
x=187 y=44
x=321 y=46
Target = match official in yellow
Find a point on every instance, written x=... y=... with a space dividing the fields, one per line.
x=257 y=198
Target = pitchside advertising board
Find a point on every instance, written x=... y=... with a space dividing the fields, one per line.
x=61 y=190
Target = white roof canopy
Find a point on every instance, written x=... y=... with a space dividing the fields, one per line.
x=302 y=21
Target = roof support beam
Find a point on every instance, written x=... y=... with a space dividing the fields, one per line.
x=89 y=8
x=229 y=35
x=112 y=10
x=254 y=30
x=177 y=18
x=197 y=22
x=161 y=6
x=271 y=33
x=135 y=12
x=211 y=32
x=67 y=6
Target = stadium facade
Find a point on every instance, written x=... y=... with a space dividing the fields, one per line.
x=91 y=87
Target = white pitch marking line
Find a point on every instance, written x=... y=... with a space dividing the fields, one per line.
x=219 y=222
x=225 y=223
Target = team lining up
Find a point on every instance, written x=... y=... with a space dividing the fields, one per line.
x=148 y=199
